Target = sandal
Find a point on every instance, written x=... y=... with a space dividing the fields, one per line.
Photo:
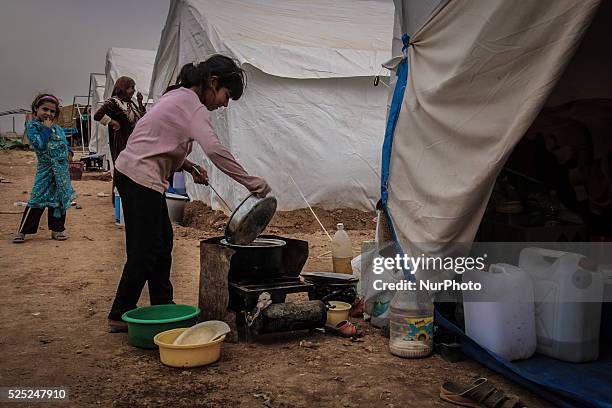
x=19 y=238
x=58 y=236
x=117 y=326
x=345 y=329
x=480 y=393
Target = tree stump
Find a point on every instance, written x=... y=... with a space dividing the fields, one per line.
x=214 y=270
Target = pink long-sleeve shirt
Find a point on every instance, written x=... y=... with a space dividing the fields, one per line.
x=162 y=140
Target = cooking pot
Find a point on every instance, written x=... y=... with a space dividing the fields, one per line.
x=262 y=258
x=249 y=220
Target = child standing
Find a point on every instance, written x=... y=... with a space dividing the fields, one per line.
x=52 y=188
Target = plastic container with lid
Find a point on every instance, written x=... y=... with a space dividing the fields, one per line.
x=411 y=324
x=568 y=304
x=500 y=317
x=342 y=251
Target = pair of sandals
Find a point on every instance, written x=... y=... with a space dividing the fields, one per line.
x=56 y=235
x=480 y=393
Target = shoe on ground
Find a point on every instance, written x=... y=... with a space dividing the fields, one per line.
x=58 y=236
x=117 y=326
x=19 y=238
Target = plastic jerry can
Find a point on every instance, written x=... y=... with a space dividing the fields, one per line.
x=500 y=317
x=342 y=251
x=568 y=304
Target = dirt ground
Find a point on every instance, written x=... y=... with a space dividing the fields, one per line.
x=56 y=295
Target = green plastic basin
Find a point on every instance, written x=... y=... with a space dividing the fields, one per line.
x=145 y=322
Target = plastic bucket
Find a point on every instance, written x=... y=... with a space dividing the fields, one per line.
x=145 y=322
x=337 y=314
x=190 y=355
x=176 y=206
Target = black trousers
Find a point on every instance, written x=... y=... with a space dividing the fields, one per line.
x=148 y=241
x=31 y=219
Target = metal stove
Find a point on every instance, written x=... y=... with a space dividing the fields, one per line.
x=244 y=295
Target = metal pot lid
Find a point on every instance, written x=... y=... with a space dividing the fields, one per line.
x=249 y=219
x=257 y=243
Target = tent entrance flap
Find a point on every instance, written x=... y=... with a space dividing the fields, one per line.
x=480 y=71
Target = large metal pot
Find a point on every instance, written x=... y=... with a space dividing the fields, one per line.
x=249 y=219
x=262 y=258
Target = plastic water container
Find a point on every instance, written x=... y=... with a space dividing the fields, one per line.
x=411 y=324
x=178 y=183
x=176 y=206
x=500 y=317
x=568 y=304
x=118 y=209
x=606 y=275
x=342 y=251
x=606 y=307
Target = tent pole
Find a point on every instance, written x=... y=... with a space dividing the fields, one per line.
x=89 y=104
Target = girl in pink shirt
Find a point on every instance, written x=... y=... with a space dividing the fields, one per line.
x=157 y=148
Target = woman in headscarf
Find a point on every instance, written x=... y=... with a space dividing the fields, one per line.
x=120 y=113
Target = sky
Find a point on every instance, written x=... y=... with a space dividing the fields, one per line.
x=53 y=45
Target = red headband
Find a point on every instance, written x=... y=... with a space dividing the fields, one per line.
x=49 y=97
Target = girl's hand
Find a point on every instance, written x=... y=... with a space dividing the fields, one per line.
x=48 y=122
x=199 y=175
x=115 y=124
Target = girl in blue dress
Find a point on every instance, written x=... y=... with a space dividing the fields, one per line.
x=52 y=188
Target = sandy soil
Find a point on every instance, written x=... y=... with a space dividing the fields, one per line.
x=55 y=297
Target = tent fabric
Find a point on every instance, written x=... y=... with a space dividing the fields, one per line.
x=298 y=39
x=135 y=63
x=310 y=111
x=98 y=140
x=479 y=73
x=550 y=379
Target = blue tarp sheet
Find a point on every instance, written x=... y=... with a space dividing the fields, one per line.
x=563 y=384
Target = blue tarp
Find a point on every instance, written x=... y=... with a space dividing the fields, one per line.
x=564 y=384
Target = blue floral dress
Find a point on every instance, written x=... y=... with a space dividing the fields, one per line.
x=52 y=186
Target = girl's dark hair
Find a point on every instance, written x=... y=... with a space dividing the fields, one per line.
x=46 y=97
x=230 y=75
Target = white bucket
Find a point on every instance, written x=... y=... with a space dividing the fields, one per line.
x=176 y=206
x=118 y=209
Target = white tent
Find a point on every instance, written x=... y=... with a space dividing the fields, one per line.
x=478 y=73
x=134 y=63
x=310 y=110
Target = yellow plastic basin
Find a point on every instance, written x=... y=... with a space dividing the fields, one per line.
x=339 y=313
x=190 y=355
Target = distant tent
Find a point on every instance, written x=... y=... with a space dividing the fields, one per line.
x=138 y=65
x=310 y=110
